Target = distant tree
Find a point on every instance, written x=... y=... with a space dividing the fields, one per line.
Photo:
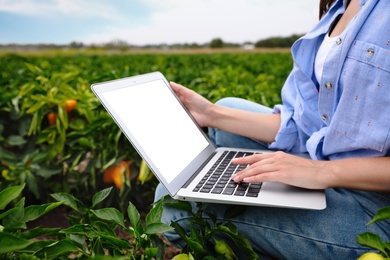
x=275 y=42
x=216 y=43
x=76 y=45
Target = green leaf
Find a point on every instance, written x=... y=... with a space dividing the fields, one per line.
x=78 y=240
x=28 y=257
x=155 y=214
x=133 y=214
x=35 y=211
x=47 y=173
x=14 y=220
x=110 y=214
x=9 y=194
x=32 y=184
x=115 y=241
x=240 y=239
x=10 y=211
x=110 y=163
x=15 y=140
x=57 y=249
x=371 y=240
x=196 y=246
x=80 y=229
x=38 y=245
x=68 y=200
x=159 y=244
x=179 y=230
x=197 y=234
x=34 y=108
x=151 y=251
x=10 y=243
x=157 y=228
x=104 y=227
x=100 y=196
x=34 y=69
x=182 y=205
x=223 y=248
x=39 y=231
x=382 y=214
x=63 y=117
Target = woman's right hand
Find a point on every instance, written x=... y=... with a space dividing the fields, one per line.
x=198 y=106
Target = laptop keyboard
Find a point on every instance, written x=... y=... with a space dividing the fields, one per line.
x=218 y=181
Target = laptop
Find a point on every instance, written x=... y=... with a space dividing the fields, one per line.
x=179 y=152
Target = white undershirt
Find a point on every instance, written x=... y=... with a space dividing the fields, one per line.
x=327 y=44
x=322 y=53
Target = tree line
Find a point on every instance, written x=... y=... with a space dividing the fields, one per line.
x=272 y=42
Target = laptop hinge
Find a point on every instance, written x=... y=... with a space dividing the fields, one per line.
x=199 y=170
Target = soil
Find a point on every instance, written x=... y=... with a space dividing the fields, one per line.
x=58 y=219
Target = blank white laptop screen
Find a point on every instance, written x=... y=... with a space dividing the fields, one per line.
x=164 y=130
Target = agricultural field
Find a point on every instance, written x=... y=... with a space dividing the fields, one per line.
x=57 y=142
x=51 y=120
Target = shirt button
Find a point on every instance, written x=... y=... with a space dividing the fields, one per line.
x=370 y=52
x=339 y=41
x=328 y=85
x=324 y=118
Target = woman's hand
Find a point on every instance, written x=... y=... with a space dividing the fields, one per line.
x=235 y=121
x=198 y=106
x=370 y=174
x=281 y=167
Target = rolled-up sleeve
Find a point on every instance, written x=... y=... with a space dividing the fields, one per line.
x=287 y=138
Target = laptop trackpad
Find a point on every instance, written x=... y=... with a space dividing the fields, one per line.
x=282 y=194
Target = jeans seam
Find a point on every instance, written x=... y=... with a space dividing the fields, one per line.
x=299 y=236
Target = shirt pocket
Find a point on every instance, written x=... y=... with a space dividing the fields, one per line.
x=362 y=118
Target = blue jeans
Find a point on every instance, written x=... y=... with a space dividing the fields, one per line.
x=295 y=233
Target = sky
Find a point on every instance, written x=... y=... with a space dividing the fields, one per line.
x=141 y=22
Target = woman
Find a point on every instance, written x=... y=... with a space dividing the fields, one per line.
x=336 y=107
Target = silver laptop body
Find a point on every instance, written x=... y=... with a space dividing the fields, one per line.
x=177 y=150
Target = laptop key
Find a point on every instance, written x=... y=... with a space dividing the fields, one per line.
x=217 y=190
x=205 y=190
x=228 y=191
x=252 y=194
x=220 y=185
x=239 y=193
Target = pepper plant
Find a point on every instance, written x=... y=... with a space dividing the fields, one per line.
x=91 y=233
x=208 y=236
x=371 y=240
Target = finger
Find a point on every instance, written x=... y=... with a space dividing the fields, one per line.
x=255 y=170
x=176 y=87
x=250 y=159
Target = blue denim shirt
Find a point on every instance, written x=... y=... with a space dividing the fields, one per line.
x=347 y=114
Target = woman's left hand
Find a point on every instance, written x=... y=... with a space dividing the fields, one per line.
x=281 y=167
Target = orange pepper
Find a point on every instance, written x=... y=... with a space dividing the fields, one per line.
x=115 y=173
x=70 y=104
x=51 y=118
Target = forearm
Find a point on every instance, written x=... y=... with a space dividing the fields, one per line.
x=263 y=127
x=371 y=174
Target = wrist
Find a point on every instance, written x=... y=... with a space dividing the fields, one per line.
x=213 y=114
x=328 y=173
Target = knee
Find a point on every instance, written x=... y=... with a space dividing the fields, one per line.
x=160 y=192
x=231 y=102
